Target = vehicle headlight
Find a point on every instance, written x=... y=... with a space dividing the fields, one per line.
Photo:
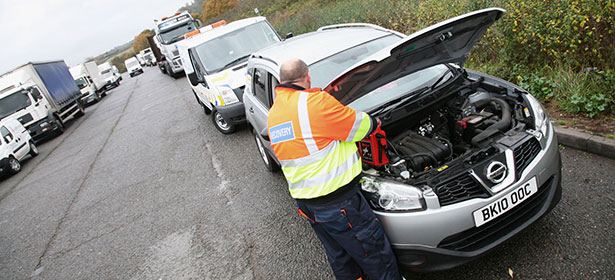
x=390 y=195
x=541 y=121
x=227 y=94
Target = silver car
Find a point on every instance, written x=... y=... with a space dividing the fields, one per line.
x=469 y=160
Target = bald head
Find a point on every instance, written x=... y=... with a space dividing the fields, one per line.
x=294 y=71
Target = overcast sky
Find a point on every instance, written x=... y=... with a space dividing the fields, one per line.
x=72 y=30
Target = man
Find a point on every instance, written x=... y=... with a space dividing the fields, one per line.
x=313 y=136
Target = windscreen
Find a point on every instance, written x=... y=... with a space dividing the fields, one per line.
x=107 y=73
x=81 y=83
x=177 y=33
x=132 y=63
x=323 y=71
x=235 y=47
x=14 y=103
x=400 y=87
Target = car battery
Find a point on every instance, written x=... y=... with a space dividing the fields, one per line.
x=373 y=148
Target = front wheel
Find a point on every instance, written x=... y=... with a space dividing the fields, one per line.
x=33 y=149
x=221 y=124
x=14 y=165
x=59 y=126
x=80 y=110
x=270 y=163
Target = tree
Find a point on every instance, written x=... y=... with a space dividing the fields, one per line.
x=141 y=41
x=213 y=8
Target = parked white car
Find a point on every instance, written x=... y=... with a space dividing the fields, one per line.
x=15 y=145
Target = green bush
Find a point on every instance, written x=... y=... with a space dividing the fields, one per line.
x=542 y=45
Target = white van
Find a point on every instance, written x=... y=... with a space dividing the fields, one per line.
x=133 y=66
x=15 y=145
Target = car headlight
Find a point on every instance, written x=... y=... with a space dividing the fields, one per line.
x=541 y=121
x=227 y=94
x=390 y=195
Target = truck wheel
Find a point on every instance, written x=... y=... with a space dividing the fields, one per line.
x=59 y=125
x=221 y=124
x=80 y=111
x=270 y=163
x=14 y=165
x=33 y=149
x=167 y=69
x=97 y=97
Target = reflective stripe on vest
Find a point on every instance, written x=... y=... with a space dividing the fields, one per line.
x=319 y=171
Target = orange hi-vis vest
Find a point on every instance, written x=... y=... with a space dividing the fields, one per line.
x=313 y=136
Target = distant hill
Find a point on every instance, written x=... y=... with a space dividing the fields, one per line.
x=113 y=52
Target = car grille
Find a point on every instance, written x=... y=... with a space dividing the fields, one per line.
x=479 y=237
x=525 y=153
x=459 y=188
x=25 y=119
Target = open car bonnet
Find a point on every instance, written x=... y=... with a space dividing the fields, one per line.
x=449 y=41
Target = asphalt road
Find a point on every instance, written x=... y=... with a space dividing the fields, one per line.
x=144 y=187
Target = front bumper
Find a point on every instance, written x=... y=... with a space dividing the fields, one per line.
x=445 y=237
x=109 y=85
x=87 y=99
x=41 y=129
x=233 y=113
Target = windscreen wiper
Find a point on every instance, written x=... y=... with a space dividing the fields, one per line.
x=236 y=60
x=388 y=107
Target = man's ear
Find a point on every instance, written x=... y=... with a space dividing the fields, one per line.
x=309 y=81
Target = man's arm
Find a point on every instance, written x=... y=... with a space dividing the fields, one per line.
x=341 y=122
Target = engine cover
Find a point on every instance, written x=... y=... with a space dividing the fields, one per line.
x=421 y=152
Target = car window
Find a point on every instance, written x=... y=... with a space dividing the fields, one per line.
x=260 y=86
x=5 y=132
x=273 y=83
x=323 y=71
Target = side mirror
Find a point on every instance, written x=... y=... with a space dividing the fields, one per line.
x=289 y=35
x=265 y=134
x=7 y=139
x=198 y=23
x=196 y=80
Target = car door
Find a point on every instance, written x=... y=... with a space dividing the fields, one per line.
x=261 y=96
x=11 y=141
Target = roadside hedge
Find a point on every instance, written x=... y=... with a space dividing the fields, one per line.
x=560 y=50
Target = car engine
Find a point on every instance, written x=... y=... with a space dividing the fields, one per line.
x=444 y=134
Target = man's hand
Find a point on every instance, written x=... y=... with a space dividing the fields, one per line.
x=378 y=121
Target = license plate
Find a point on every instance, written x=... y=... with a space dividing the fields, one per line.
x=505 y=203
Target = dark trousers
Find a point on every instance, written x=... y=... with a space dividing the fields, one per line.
x=353 y=238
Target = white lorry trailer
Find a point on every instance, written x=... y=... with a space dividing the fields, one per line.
x=169 y=31
x=112 y=77
x=89 y=81
x=41 y=95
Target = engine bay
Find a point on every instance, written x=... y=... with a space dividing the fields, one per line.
x=449 y=134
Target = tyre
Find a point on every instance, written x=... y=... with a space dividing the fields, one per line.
x=221 y=124
x=97 y=97
x=80 y=110
x=33 y=149
x=59 y=126
x=14 y=165
x=167 y=69
x=270 y=163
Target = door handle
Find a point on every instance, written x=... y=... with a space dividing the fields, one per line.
x=251 y=110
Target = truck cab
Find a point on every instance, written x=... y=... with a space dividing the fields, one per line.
x=170 y=31
x=89 y=81
x=215 y=60
x=112 y=79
